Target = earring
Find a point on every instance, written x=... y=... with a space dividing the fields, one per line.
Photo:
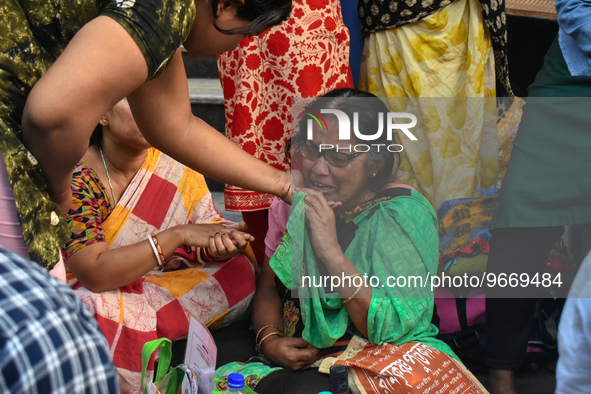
x=104 y=121
x=374 y=175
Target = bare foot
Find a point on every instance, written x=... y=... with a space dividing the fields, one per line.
x=501 y=381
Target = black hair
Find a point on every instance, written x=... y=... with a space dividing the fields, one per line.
x=380 y=161
x=262 y=14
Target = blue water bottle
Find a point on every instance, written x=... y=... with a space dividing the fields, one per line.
x=235 y=384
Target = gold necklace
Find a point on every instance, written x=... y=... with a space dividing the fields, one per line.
x=108 y=177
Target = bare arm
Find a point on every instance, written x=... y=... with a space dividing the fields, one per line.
x=358 y=306
x=192 y=141
x=100 y=269
x=101 y=65
x=266 y=307
x=321 y=220
x=293 y=353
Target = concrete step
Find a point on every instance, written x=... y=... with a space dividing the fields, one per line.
x=205 y=91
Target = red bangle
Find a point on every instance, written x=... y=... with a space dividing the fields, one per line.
x=158 y=248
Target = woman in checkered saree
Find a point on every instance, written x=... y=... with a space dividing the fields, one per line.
x=138 y=216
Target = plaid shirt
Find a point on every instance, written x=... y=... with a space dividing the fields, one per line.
x=49 y=342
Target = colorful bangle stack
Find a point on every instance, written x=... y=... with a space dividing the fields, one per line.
x=256 y=339
x=160 y=258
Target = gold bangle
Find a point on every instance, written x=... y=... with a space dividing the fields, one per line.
x=352 y=295
x=265 y=337
x=256 y=339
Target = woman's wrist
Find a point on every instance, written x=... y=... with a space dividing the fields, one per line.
x=266 y=332
x=348 y=299
x=170 y=240
x=261 y=332
x=179 y=234
x=267 y=341
x=285 y=193
x=336 y=261
x=157 y=250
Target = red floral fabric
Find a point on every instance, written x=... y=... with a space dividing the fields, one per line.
x=305 y=56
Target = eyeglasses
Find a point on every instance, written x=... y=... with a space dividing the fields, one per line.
x=332 y=157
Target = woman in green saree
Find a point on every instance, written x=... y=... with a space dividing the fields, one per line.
x=342 y=277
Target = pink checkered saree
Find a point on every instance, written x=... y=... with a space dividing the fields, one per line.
x=164 y=193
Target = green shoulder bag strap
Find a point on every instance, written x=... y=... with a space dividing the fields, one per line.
x=175 y=377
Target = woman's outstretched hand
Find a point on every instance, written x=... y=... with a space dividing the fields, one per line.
x=222 y=241
x=223 y=246
x=292 y=353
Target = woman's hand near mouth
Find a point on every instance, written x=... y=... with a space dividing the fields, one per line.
x=320 y=219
